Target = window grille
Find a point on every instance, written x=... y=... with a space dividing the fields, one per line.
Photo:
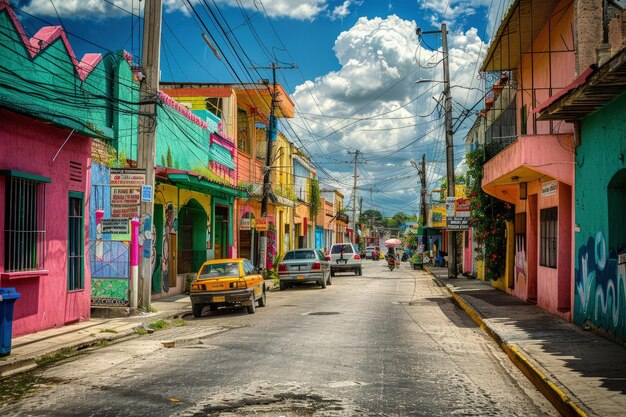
x=76 y=243
x=25 y=226
x=549 y=227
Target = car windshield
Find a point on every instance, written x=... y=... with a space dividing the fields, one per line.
x=299 y=255
x=226 y=269
x=342 y=248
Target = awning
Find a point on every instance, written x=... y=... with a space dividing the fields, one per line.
x=194 y=182
x=221 y=155
x=589 y=92
x=519 y=28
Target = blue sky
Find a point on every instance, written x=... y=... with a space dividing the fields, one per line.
x=354 y=86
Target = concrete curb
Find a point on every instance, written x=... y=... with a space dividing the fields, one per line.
x=564 y=405
x=29 y=363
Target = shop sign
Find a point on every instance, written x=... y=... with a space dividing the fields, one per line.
x=127 y=177
x=462 y=207
x=457 y=223
x=450 y=202
x=125 y=211
x=261 y=224
x=125 y=196
x=548 y=188
x=244 y=224
x=114 y=226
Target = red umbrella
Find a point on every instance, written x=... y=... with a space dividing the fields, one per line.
x=392 y=243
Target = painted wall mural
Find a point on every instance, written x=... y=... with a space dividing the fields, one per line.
x=520 y=257
x=600 y=287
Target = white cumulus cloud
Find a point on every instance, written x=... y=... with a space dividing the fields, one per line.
x=371 y=103
x=89 y=9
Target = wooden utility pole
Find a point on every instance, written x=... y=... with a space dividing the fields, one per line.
x=147 y=120
x=421 y=171
x=449 y=147
x=354 y=189
x=270 y=136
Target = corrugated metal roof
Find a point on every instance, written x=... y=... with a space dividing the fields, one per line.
x=519 y=28
x=590 y=93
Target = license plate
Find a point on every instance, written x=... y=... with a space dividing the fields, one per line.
x=219 y=299
x=299 y=277
x=342 y=261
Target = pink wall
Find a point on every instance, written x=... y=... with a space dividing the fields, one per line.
x=29 y=146
x=468 y=252
x=542 y=74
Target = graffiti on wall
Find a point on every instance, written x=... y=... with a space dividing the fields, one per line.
x=520 y=257
x=169 y=228
x=600 y=292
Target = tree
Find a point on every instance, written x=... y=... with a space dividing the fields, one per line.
x=371 y=217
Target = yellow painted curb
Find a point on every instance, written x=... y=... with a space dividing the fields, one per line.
x=559 y=400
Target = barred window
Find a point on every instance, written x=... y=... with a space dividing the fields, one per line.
x=549 y=227
x=76 y=243
x=25 y=226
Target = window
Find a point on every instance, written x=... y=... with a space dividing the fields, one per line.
x=248 y=268
x=549 y=230
x=345 y=248
x=76 y=243
x=25 y=228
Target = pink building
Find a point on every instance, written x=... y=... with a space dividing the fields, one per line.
x=45 y=195
x=531 y=162
x=45 y=158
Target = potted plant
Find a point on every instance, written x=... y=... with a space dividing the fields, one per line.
x=417 y=260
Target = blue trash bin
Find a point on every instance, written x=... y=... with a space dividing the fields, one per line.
x=7 y=300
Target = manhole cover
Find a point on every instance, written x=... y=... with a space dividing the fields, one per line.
x=323 y=313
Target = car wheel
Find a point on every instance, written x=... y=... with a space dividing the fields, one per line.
x=359 y=272
x=213 y=307
x=197 y=310
x=332 y=273
x=252 y=307
x=283 y=285
x=323 y=281
x=263 y=300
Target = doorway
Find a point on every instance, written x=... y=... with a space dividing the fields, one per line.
x=220 y=224
x=192 y=224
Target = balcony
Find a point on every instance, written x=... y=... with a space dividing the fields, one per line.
x=528 y=159
x=501 y=117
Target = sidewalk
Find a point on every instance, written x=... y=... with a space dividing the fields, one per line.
x=579 y=372
x=27 y=350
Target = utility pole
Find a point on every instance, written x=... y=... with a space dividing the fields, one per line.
x=146 y=136
x=270 y=136
x=449 y=147
x=424 y=212
x=354 y=189
x=421 y=171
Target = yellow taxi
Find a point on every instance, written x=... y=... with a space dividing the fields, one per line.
x=227 y=282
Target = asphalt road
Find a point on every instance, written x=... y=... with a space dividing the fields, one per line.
x=383 y=344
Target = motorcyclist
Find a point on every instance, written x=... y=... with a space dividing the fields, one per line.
x=391 y=255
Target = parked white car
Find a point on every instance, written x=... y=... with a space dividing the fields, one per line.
x=343 y=257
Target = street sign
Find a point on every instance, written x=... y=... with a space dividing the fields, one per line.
x=146 y=193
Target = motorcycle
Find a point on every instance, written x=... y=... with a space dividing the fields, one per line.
x=391 y=262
